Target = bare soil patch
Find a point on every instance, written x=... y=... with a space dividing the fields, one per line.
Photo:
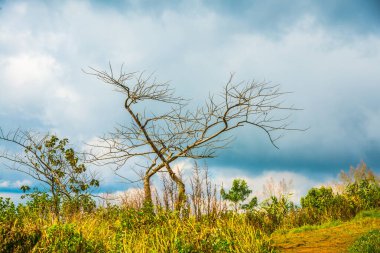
x=332 y=239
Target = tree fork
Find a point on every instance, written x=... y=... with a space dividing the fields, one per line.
x=180 y=187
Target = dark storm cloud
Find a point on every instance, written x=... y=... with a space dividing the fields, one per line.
x=345 y=15
x=303 y=151
x=298 y=44
x=272 y=17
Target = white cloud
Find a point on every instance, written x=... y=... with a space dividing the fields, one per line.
x=15 y=184
x=26 y=70
x=4 y=184
x=20 y=183
x=196 y=48
x=15 y=197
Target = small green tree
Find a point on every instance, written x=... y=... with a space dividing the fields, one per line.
x=276 y=209
x=319 y=199
x=238 y=193
x=51 y=161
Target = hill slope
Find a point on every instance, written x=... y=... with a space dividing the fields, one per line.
x=332 y=237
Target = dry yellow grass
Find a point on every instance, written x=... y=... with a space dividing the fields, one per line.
x=332 y=239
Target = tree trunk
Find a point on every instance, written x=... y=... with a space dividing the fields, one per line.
x=180 y=203
x=181 y=200
x=148 y=202
x=55 y=203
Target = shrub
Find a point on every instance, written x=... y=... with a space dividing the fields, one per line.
x=319 y=199
x=65 y=238
x=15 y=239
x=276 y=209
x=321 y=204
x=368 y=243
x=7 y=210
x=364 y=194
x=38 y=203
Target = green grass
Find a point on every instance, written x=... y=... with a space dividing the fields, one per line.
x=368 y=243
x=310 y=227
x=368 y=214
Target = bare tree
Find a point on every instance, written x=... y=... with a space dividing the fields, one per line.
x=162 y=138
x=203 y=194
x=50 y=161
x=282 y=188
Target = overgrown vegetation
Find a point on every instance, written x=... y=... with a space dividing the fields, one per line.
x=367 y=243
x=125 y=227
x=50 y=161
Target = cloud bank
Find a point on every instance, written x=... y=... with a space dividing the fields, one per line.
x=328 y=55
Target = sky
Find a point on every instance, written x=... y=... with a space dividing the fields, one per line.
x=327 y=54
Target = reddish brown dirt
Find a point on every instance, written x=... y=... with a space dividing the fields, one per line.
x=333 y=239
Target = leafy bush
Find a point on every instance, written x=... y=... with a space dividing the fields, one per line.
x=364 y=194
x=38 y=203
x=276 y=209
x=319 y=199
x=368 y=243
x=321 y=204
x=15 y=239
x=7 y=210
x=361 y=186
x=65 y=238
x=211 y=243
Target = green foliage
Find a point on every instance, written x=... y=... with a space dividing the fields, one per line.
x=364 y=194
x=211 y=243
x=360 y=191
x=238 y=193
x=66 y=170
x=65 y=238
x=14 y=239
x=65 y=178
x=319 y=199
x=368 y=243
x=81 y=203
x=7 y=210
x=38 y=201
x=315 y=227
x=84 y=227
x=361 y=188
x=375 y=213
x=13 y=236
x=251 y=205
x=321 y=204
x=275 y=210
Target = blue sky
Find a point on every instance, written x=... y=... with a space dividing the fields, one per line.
x=327 y=54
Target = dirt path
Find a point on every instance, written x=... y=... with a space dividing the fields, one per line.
x=333 y=239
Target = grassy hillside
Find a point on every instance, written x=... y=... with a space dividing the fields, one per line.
x=329 y=237
x=326 y=221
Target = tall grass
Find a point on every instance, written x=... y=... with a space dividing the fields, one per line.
x=128 y=230
x=206 y=224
